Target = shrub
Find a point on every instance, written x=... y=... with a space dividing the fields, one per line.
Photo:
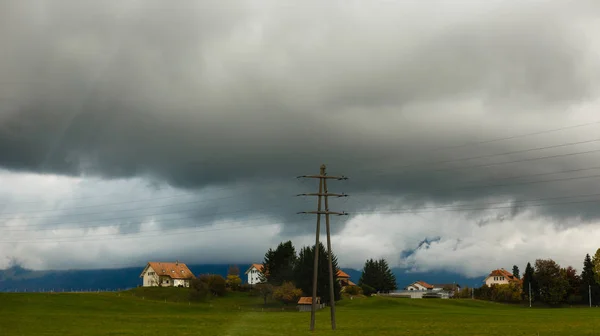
x=216 y=284
x=234 y=282
x=352 y=290
x=368 y=290
x=198 y=290
x=287 y=293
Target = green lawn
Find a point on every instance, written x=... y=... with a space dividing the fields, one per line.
x=240 y=314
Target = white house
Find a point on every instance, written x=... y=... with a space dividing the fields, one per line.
x=254 y=273
x=165 y=274
x=419 y=286
x=501 y=277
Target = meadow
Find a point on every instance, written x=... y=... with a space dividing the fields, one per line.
x=160 y=312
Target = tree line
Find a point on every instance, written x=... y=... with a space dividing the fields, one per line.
x=286 y=275
x=548 y=283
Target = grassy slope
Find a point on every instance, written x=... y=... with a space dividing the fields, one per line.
x=111 y=314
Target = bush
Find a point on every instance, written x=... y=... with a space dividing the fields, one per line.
x=287 y=293
x=198 y=290
x=217 y=285
x=368 y=290
x=352 y=290
x=234 y=282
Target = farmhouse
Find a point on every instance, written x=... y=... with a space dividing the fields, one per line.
x=166 y=274
x=253 y=273
x=419 y=286
x=501 y=277
x=344 y=279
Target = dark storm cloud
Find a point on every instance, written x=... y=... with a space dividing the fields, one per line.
x=200 y=94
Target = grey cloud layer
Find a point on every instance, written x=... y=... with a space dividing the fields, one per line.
x=207 y=93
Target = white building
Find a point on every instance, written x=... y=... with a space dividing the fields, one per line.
x=165 y=274
x=419 y=286
x=254 y=273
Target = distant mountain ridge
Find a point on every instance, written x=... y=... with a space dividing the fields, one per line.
x=18 y=278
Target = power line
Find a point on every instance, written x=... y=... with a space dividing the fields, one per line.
x=501 y=154
x=137 y=216
x=119 y=210
x=400 y=211
x=516 y=161
x=132 y=236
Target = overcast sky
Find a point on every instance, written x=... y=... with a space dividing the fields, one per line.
x=152 y=130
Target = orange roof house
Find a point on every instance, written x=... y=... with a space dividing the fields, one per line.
x=501 y=277
x=420 y=285
x=166 y=274
x=254 y=273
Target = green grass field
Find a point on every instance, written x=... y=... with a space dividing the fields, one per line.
x=147 y=313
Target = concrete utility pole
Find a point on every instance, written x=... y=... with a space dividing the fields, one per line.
x=323 y=193
x=590 y=294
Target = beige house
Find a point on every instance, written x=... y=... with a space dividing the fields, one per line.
x=501 y=277
x=166 y=274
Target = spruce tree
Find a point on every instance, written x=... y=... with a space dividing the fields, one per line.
x=515 y=272
x=588 y=280
x=303 y=273
x=377 y=274
x=278 y=265
x=528 y=278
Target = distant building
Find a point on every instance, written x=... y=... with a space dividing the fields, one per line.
x=344 y=279
x=254 y=273
x=305 y=303
x=166 y=274
x=419 y=286
x=501 y=277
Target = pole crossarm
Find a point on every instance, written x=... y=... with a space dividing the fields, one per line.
x=324 y=194
x=324 y=213
x=324 y=177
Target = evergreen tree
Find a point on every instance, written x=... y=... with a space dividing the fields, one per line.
x=278 y=265
x=303 y=273
x=588 y=280
x=515 y=272
x=529 y=278
x=377 y=274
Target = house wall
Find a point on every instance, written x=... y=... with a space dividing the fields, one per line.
x=498 y=280
x=182 y=282
x=253 y=276
x=416 y=287
x=149 y=278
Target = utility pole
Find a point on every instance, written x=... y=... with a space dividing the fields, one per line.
x=590 y=294
x=530 y=294
x=323 y=193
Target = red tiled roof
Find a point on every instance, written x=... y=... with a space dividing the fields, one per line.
x=502 y=272
x=306 y=300
x=174 y=270
x=424 y=284
x=342 y=274
x=259 y=267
